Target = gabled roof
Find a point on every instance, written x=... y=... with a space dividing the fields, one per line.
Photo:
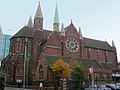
x=96 y=44
x=28 y=32
x=24 y=32
x=92 y=43
x=71 y=26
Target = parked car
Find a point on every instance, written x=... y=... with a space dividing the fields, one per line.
x=103 y=87
x=118 y=85
x=112 y=86
x=90 y=88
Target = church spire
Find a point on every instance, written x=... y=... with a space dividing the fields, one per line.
x=56 y=17
x=62 y=30
x=30 y=25
x=56 y=20
x=39 y=12
x=113 y=45
x=80 y=33
x=38 y=20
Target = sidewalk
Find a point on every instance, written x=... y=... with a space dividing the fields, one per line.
x=12 y=88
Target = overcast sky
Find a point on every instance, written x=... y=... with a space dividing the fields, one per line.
x=98 y=19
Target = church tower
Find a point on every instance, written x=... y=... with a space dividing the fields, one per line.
x=56 y=20
x=38 y=32
x=38 y=20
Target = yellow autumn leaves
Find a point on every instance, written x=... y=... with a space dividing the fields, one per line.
x=61 y=69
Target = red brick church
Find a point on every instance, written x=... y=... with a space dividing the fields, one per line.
x=41 y=48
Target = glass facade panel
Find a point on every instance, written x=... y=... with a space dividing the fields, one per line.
x=6 y=45
x=1 y=44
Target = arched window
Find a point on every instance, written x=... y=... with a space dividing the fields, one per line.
x=41 y=72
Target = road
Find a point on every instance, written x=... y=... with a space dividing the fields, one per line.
x=12 y=88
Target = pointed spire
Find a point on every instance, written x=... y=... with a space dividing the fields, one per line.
x=113 y=45
x=39 y=12
x=56 y=17
x=80 y=33
x=56 y=20
x=30 y=25
x=62 y=30
x=71 y=20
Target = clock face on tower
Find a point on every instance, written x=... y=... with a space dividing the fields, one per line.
x=72 y=45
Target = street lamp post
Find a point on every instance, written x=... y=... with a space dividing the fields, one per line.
x=24 y=68
x=25 y=52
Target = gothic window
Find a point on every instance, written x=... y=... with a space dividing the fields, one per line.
x=85 y=53
x=101 y=76
x=41 y=72
x=8 y=71
x=108 y=76
x=20 y=71
x=17 y=71
x=106 y=53
x=18 y=39
x=72 y=44
x=14 y=43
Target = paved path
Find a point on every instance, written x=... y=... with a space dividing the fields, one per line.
x=12 y=88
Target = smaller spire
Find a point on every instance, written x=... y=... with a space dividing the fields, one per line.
x=113 y=45
x=39 y=11
x=30 y=25
x=71 y=20
x=105 y=40
x=71 y=24
x=80 y=33
x=62 y=30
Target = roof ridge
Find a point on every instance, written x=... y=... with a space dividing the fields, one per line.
x=94 y=39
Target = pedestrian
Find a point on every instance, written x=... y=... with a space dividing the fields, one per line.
x=40 y=86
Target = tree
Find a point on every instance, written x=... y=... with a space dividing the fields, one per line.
x=2 y=80
x=78 y=75
x=60 y=68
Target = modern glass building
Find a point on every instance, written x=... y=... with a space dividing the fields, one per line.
x=1 y=42
x=6 y=45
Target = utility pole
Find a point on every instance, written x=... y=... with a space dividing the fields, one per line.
x=24 y=68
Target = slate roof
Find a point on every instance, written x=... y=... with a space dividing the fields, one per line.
x=24 y=32
x=28 y=32
x=50 y=59
x=108 y=66
x=96 y=44
x=90 y=63
x=87 y=63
